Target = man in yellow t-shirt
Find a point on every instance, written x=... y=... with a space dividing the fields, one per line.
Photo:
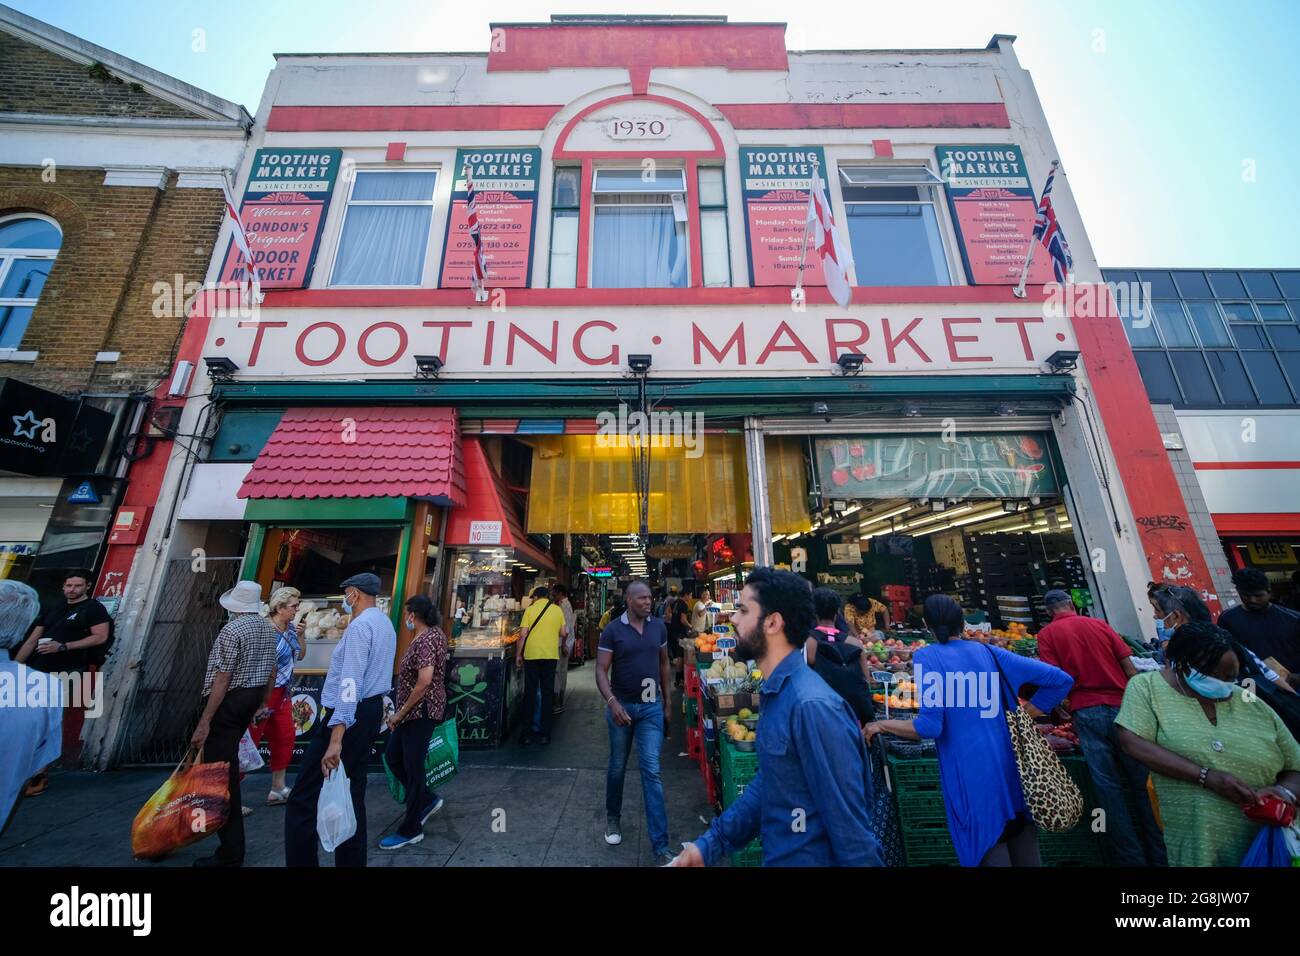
x=538 y=653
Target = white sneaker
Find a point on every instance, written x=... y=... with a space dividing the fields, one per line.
x=612 y=835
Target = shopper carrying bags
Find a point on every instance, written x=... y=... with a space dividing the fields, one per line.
x=421 y=704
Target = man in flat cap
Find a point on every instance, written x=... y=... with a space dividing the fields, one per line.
x=352 y=710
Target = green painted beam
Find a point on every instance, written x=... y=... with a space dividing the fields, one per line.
x=317 y=510
x=570 y=396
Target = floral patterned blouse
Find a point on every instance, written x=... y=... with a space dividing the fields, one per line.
x=429 y=649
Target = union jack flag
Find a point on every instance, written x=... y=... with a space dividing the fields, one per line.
x=478 y=272
x=1048 y=231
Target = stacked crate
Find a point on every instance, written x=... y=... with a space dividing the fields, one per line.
x=918 y=802
x=739 y=768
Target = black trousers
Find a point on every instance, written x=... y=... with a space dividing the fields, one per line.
x=539 y=672
x=300 y=840
x=405 y=752
x=228 y=725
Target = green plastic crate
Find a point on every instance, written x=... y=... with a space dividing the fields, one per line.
x=751 y=855
x=692 y=712
x=921 y=810
x=928 y=848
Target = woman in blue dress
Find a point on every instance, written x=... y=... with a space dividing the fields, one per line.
x=959 y=685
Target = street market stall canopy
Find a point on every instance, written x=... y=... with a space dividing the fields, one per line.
x=490 y=519
x=360 y=452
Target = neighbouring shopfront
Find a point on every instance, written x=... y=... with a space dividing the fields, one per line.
x=60 y=483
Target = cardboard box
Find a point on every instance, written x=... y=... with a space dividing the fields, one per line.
x=727 y=704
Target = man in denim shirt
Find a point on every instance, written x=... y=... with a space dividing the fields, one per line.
x=811 y=799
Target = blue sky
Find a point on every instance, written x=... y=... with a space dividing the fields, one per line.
x=1175 y=121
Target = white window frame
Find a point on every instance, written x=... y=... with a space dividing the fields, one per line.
x=927 y=181
x=685 y=194
x=432 y=203
x=8 y=256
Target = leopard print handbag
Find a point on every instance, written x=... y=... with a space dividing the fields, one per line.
x=1053 y=798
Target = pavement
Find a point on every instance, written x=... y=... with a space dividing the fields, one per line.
x=515 y=806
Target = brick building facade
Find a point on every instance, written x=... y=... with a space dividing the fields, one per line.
x=110 y=189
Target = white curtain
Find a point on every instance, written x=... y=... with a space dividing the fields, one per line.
x=385 y=245
x=637 y=246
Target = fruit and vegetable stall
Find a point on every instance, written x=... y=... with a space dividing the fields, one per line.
x=723 y=719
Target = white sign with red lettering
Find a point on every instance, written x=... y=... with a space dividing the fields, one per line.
x=485 y=532
x=595 y=342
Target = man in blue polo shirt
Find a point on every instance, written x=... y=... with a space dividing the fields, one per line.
x=633 y=674
x=811 y=799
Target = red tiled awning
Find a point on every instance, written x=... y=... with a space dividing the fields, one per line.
x=488 y=499
x=355 y=452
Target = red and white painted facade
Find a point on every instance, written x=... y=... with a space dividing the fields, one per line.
x=717 y=88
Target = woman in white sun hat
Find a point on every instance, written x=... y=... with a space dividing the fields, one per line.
x=240 y=676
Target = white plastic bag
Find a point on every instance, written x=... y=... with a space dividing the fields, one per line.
x=336 y=821
x=249 y=758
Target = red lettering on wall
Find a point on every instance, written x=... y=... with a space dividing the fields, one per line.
x=892 y=341
x=834 y=343
x=487 y=343
x=257 y=336
x=737 y=341
x=610 y=359
x=446 y=334
x=1020 y=321
x=953 y=339
x=517 y=333
x=339 y=338
x=402 y=342
x=795 y=346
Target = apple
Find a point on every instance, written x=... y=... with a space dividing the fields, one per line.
x=840 y=477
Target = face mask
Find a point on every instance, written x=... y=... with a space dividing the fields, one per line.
x=1207 y=686
x=1164 y=632
x=347 y=606
x=410 y=622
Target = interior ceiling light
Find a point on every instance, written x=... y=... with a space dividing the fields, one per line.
x=885 y=516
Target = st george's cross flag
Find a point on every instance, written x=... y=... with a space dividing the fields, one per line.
x=828 y=242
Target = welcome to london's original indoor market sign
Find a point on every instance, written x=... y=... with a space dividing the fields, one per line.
x=595 y=342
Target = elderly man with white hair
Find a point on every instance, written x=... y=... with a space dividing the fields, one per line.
x=31 y=716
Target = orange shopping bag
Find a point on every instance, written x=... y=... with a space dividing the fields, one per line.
x=191 y=804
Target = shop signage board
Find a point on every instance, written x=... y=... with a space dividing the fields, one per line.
x=993 y=210
x=1270 y=552
x=775 y=181
x=844 y=553
x=505 y=186
x=43 y=433
x=283 y=209
x=682 y=340
x=485 y=532
x=996 y=465
x=306 y=710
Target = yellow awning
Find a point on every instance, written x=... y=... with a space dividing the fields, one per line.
x=585 y=484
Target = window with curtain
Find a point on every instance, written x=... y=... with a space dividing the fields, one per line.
x=714 y=247
x=28 y=247
x=893 y=225
x=564 y=227
x=639 y=235
x=386 y=228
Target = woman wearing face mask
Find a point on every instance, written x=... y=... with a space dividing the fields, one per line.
x=421 y=700
x=1211 y=751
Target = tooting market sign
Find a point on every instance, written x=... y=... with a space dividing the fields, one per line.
x=596 y=342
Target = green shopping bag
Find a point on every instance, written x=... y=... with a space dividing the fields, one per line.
x=441 y=760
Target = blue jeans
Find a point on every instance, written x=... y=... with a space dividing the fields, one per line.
x=647 y=728
x=1135 y=842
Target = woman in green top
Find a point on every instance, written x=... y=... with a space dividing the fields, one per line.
x=1211 y=748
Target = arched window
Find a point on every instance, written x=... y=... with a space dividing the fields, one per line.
x=29 y=244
